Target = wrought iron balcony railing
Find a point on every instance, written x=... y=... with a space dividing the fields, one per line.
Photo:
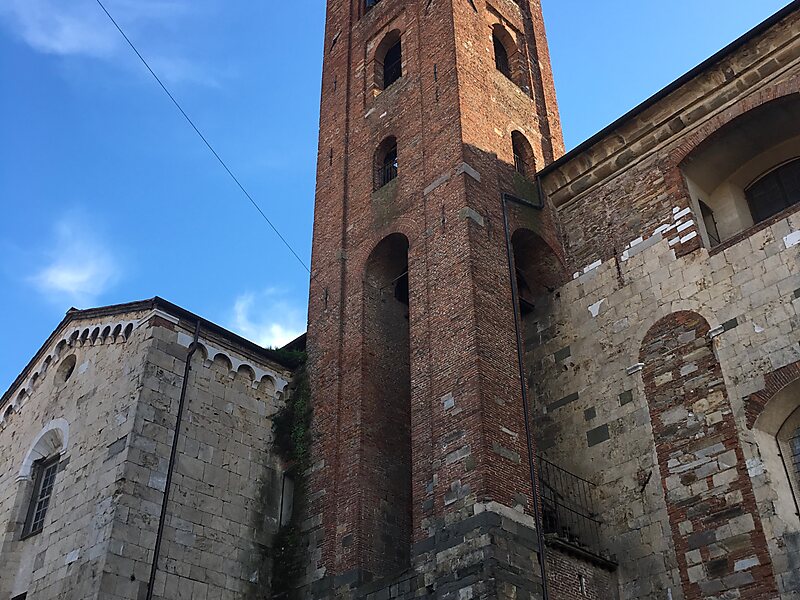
x=568 y=511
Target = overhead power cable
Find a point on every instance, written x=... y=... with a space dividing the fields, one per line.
x=203 y=137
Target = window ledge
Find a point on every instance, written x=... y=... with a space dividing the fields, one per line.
x=743 y=235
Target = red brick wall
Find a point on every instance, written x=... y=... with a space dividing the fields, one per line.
x=717 y=531
x=447 y=109
x=564 y=575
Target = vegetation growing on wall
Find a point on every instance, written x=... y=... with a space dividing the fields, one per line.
x=292 y=430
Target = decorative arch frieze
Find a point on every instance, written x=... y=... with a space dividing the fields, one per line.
x=237 y=365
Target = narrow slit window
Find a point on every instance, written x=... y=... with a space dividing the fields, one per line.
x=386 y=163
x=524 y=161
x=794 y=446
x=389 y=165
x=44 y=484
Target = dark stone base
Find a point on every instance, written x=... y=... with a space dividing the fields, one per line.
x=489 y=555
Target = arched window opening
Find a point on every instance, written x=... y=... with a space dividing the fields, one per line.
x=777 y=432
x=538 y=270
x=774 y=192
x=386 y=163
x=45 y=472
x=40 y=466
x=393 y=64
x=524 y=160
x=386 y=405
x=501 y=60
x=747 y=172
x=388 y=61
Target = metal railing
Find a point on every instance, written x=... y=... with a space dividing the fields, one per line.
x=568 y=507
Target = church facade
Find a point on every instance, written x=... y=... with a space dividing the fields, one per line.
x=531 y=373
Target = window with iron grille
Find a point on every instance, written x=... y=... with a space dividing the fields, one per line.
x=794 y=446
x=44 y=482
x=386 y=163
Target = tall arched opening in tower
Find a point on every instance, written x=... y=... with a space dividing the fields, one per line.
x=386 y=397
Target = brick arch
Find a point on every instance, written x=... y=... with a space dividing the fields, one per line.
x=774 y=382
x=768 y=94
x=714 y=521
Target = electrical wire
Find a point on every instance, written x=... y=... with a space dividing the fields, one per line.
x=203 y=137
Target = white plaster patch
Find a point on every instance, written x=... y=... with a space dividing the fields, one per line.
x=688 y=237
x=674 y=241
x=594 y=309
x=384 y=114
x=592 y=266
x=634 y=368
x=83 y=368
x=746 y=563
x=684 y=226
x=755 y=467
x=757 y=328
x=792 y=239
x=663 y=228
x=679 y=215
x=72 y=557
x=448 y=401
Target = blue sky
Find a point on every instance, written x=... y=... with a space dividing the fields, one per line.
x=107 y=196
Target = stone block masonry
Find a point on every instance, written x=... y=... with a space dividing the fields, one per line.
x=111 y=417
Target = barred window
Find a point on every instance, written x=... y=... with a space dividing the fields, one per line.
x=44 y=482
x=794 y=446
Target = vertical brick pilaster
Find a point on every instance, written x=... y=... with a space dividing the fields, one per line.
x=717 y=531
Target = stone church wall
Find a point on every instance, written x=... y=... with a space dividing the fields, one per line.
x=689 y=507
x=120 y=406
x=91 y=409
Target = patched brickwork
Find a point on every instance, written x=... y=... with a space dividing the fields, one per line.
x=716 y=528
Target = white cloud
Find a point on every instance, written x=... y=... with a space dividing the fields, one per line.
x=79 y=269
x=267 y=319
x=80 y=28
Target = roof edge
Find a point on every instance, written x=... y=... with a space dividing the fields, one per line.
x=756 y=31
x=278 y=356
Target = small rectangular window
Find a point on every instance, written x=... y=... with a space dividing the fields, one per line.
x=21 y=596
x=44 y=482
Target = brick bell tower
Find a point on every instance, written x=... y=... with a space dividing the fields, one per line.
x=431 y=111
